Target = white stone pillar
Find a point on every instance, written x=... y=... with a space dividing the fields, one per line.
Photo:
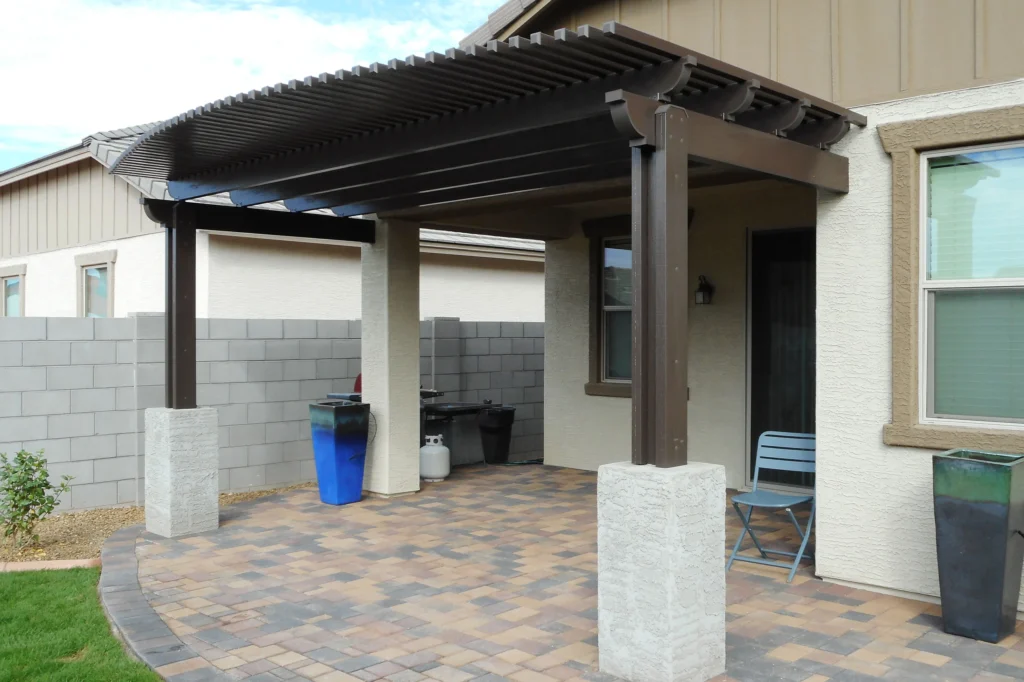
x=661 y=572
x=181 y=471
x=391 y=357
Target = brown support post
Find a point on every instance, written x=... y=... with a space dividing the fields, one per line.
x=660 y=289
x=180 y=366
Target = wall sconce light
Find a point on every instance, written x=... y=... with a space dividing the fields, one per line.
x=705 y=290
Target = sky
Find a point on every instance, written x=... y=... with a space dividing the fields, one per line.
x=69 y=68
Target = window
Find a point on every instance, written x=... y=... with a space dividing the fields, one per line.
x=956 y=279
x=617 y=309
x=972 y=284
x=611 y=307
x=12 y=291
x=96 y=284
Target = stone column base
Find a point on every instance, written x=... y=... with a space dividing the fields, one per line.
x=181 y=471
x=661 y=572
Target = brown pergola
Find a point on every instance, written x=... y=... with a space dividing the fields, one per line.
x=571 y=108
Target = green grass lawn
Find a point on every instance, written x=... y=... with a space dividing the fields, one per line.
x=52 y=629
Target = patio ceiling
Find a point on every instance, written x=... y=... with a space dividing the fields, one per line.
x=512 y=116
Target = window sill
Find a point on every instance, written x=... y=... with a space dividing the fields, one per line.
x=608 y=390
x=935 y=437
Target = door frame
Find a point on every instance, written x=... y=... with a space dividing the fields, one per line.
x=748 y=466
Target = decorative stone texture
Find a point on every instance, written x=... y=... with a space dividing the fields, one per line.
x=181 y=471
x=661 y=579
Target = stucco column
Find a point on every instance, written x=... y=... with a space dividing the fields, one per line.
x=660 y=571
x=391 y=357
x=181 y=471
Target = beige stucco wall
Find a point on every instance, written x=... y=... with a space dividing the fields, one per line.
x=51 y=278
x=587 y=431
x=283 y=279
x=875 y=520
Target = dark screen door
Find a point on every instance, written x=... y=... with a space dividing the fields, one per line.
x=781 y=340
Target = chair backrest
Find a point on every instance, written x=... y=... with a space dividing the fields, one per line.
x=781 y=451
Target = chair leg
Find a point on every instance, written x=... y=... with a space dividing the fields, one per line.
x=746 y=529
x=739 y=540
x=803 y=544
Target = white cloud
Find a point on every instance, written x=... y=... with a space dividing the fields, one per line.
x=72 y=67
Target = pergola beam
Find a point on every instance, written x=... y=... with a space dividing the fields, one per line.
x=458 y=176
x=547 y=139
x=568 y=176
x=265 y=222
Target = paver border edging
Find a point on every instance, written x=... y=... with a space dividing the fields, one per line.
x=54 y=565
x=134 y=621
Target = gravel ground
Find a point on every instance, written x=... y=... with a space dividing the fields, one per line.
x=80 y=535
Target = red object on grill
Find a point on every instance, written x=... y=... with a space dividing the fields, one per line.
x=358 y=388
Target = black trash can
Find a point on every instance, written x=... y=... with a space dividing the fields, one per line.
x=496 y=432
x=979 y=514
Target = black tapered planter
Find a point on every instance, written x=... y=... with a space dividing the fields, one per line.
x=979 y=509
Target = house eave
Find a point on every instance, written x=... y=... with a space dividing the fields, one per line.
x=43 y=164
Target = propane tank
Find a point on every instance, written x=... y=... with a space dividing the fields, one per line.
x=435 y=460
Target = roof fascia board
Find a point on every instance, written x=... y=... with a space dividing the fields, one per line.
x=44 y=164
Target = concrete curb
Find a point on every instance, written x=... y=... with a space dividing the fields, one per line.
x=56 y=565
x=134 y=621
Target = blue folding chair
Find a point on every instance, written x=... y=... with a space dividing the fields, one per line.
x=777 y=451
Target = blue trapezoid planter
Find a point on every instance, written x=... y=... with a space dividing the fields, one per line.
x=340 y=429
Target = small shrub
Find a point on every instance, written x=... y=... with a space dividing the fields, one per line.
x=26 y=495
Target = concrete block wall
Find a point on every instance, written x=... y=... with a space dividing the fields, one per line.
x=498 y=361
x=261 y=375
x=78 y=389
x=68 y=388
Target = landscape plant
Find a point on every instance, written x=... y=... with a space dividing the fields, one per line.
x=27 y=495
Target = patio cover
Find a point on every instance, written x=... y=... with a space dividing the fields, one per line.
x=526 y=114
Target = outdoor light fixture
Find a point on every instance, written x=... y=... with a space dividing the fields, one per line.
x=705 y=290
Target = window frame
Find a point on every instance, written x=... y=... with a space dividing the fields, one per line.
x=926 y=300
x=599 y=231
x=11 y=272
x=904 y=142
x=605 y=309
x=92 y=260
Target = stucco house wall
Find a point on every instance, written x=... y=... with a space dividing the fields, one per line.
x=280 y=279
x=588 y=431
x=875 y=522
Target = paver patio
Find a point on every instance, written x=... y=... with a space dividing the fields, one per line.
x=492 y=575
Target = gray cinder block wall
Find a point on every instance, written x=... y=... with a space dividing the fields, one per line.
x=78 y=389
x=498 y=361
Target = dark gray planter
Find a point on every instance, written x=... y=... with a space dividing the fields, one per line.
x=979 y=509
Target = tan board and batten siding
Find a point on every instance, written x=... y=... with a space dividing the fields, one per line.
x=68 y=206
x=852 y=52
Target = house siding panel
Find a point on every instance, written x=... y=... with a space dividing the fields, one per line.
x=854 y=52
x=693 y=24
x=73 y=205
x=746 y=34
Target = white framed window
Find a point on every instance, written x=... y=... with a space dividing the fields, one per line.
x=616 y=309
x=12 y=291
x=96 y=283
x=972 y=285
